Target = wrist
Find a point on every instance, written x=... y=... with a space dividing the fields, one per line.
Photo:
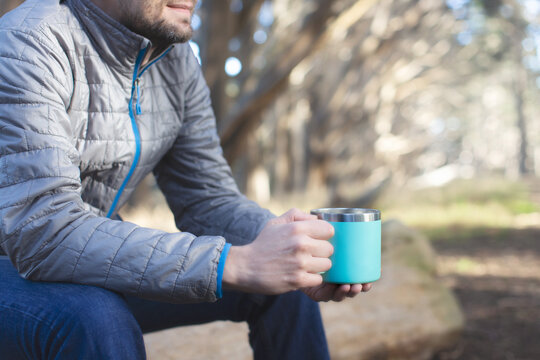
x=234 y=273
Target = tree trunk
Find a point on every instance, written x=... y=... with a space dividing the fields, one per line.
x=7 y=5
x=519 y=91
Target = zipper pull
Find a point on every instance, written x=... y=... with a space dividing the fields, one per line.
x=138 y=103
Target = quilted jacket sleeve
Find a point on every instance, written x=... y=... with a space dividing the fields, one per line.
x=45 y=227
x=196 y=179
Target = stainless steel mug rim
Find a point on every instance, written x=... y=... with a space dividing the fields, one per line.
x=347 y=214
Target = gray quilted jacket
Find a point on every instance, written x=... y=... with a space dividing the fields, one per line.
x=81 y=124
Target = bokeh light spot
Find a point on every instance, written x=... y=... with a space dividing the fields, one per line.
x=233 y=66
x=260 y=36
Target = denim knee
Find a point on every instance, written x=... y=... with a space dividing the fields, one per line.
x=95 y=323
x=289 y=326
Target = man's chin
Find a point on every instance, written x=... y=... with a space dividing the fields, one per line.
x=169 y=35
x=180 y=32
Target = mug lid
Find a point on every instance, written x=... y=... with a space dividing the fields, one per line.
x=347 y=214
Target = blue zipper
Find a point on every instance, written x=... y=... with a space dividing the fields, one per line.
x=138 y=103
x=134 y=89
x=135 y=131
x=155 y=60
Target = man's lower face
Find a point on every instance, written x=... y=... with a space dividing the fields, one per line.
x=162 y=21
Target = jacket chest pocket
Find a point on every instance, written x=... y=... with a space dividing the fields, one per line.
x=107 y=172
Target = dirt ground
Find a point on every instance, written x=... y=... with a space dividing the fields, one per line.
x=496 y=278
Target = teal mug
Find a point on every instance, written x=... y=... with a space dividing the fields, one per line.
x=357 y=245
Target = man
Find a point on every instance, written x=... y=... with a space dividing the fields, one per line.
x=94 y=95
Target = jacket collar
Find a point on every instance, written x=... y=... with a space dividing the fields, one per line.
x=116 y=44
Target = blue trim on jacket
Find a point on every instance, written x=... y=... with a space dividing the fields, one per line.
x=221 y=267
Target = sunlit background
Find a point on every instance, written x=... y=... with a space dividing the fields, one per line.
x=340 y=98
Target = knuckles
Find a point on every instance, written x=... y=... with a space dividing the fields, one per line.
x=298 y=262
x=295 y=280
x=295 y=211
x=300 y=246
x=292 y=213
x=295 y=229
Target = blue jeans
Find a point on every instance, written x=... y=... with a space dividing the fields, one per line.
x=68 y=321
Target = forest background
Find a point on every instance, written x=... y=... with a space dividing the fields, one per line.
x=427 y=110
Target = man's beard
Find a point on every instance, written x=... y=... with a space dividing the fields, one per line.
x=159 y=33
x=162 y=34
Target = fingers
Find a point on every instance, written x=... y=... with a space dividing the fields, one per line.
x=298 y=215
x=308 y=246
x=340 y=292
x=310 y=280
x=320 y=248
x=323 y=292
x=316 y=229
x=317 y=265
x=355 y=290
x=334 y=292
x=303 y=223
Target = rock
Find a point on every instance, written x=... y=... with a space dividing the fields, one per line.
x=215 y=341
x=408 y=314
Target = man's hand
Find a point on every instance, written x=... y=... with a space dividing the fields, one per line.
x=288 y=254
x=334 y=292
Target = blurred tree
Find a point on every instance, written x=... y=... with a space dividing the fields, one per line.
x=338 y=98
x=507 y=29
x=7 y=5
x=352 y=91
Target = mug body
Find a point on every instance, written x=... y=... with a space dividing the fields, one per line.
x=357 y=245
